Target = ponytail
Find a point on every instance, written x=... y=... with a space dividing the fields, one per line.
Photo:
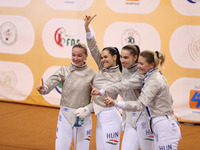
x=118 y=60
x=158 y=58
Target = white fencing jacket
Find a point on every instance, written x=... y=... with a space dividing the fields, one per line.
x=105 y=77
x=155 y=94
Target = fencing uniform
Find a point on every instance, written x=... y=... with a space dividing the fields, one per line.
x=75 y=93
x=108 y=127
x=156 y=96
x=136 y=132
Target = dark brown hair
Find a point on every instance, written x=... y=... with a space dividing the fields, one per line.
x=133 y=49
x=114 y=51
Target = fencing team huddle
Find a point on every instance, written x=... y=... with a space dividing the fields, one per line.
x=147 y=118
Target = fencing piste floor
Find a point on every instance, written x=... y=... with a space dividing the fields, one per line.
x=30 y=127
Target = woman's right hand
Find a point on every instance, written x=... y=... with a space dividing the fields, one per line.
x=87 y=20
x=108 y=100
x=40 y=88
x=94 y=91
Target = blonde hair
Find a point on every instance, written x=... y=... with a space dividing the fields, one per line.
x=81 y=45
x=158 y=58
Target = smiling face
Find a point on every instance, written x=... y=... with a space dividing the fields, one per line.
x=78 y=56
x=107 y=59
x=143 y=65
x=127 y=59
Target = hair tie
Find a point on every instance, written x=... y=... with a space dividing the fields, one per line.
x=157 y=53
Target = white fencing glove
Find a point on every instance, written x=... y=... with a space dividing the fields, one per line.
x=82 y=112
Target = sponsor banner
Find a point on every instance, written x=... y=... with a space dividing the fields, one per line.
x=133 y=6
x=14 y=3
x=187 y=7
x=43 y=37
x=187 y=47
x=60 y=35
x=186 y=99
x=76 y=5
x=124 y=33
x=17 y=35
x=16 y=81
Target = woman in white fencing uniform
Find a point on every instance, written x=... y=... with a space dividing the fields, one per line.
x=155 y=95
x=75 y=78
x=108 y=127
x=136 y=131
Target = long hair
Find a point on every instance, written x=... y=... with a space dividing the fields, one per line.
x=114 y=51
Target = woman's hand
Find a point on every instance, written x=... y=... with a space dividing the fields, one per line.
x=95 y=91
x=40 y=88
x=87 y=20
x=108 y=100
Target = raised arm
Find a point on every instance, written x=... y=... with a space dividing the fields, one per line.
x=87 y=20
x=91 y=42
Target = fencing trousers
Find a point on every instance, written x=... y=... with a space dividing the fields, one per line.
x=130 y=139
x=140 y=137
x=65 y=133
x=108 y=129
x=166 y=133
x=146 y=137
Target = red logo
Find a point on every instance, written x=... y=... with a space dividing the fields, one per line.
x=62 y=39
x=58 y=36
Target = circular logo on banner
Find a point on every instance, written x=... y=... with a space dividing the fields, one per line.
x=185 y=50
x=10 y=75
x=8 y=33
x=17 y=34
x=124 y=33
x=8 y=80
x=194 y=49
x=130 y=36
